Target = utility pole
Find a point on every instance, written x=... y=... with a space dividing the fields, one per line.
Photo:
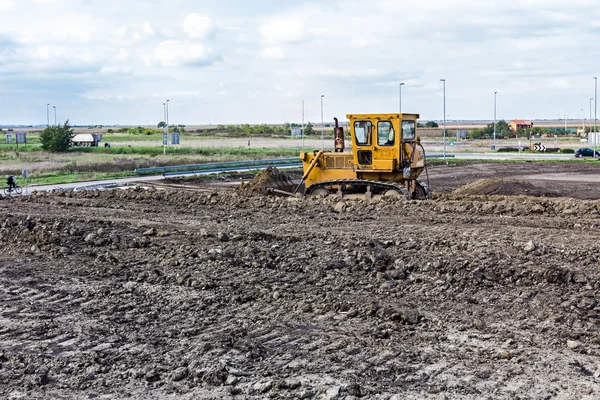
x=55 y=124
x=48 y=113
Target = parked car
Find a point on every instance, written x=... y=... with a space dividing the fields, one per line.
x=586 y=152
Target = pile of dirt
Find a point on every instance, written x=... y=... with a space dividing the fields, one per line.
x=505 y=187
x=269 y=178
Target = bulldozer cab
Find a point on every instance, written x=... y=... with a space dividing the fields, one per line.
x=383 y=142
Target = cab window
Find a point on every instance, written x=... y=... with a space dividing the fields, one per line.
x=385 y=133
x=408 y=130
x=362 y=132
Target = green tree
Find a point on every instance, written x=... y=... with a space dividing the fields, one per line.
x=57 y=138
x=431 y=124
x=287 y=128
x=161 y=124
x=309 y=129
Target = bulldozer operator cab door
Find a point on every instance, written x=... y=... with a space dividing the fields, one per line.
x=376 y=143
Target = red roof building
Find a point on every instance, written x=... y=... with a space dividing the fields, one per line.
x=517 y=124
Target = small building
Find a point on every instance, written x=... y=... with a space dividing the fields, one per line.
x=461 y=133
x=517 y=124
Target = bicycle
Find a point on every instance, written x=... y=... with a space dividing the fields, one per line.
x=16 y=190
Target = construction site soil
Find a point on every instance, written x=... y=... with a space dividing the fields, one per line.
x=148 y=294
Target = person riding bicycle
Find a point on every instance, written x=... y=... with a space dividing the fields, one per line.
x=11 y=182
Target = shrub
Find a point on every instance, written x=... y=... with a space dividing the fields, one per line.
x=57 y=138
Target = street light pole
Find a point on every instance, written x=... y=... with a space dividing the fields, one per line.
x=400 y=97
x=495 y=93
x=583 y=120
x=595 y=111
x=48 y=114
x=165 y=127
x=167 y=107
x=55 y=124
x=444 y=81
x=322 y=126
x=302 y=125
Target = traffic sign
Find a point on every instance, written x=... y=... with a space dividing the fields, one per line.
x=25 y=174
x=451 y=143
x=165 y=139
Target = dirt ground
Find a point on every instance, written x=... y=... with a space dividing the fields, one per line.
x=146 y=293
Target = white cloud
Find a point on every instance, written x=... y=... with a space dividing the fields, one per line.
x=116 y=70
x=199 y=26
x=272 y=53
x=283 y=30
x=6 y=5
x=172 y=53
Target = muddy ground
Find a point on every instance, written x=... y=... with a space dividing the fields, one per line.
x=208 y=295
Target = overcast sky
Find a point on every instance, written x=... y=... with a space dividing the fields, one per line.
x=234 y=61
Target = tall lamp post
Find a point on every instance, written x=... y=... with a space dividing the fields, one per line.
x=48 y=113
x=54 y=115
x=302 y=125
x=495 y=93
x=583 y=120
x=400 y=98
x=167 y=108
x=444 y=81
x=595 y=110
x=322 y=126
x=165 y=127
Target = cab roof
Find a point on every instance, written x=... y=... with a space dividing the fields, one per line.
x=383 y=116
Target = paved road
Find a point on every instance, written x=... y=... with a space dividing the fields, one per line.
x=465 y=156
x=513 y=156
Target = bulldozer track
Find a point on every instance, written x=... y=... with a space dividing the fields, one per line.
x=358 y=182
x=365 y=182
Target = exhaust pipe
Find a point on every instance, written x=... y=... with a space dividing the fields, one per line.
x=338 y=134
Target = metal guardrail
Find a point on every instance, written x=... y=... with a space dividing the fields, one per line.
x=439 y=156
x=198 y=167
x=229 y=169
x=221 y=166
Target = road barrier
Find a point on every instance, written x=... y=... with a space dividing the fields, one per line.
x=197 y=167
x=233 y=166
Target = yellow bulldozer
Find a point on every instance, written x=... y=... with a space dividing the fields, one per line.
x=386 y=158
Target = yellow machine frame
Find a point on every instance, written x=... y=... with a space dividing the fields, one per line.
x=400 y=159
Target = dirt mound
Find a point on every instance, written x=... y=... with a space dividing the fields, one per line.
x=505 y=187
x=269 y=178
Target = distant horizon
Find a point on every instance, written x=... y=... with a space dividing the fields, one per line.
x=481 y=121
